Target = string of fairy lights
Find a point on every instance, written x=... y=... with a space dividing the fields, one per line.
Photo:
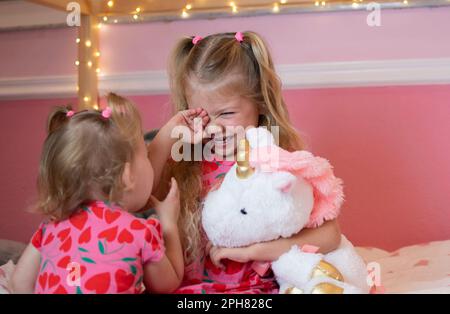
x=233 y=6
x=89 y=63
x=137 y=13
x=276 y=6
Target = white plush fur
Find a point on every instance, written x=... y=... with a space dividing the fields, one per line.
x=270 y=205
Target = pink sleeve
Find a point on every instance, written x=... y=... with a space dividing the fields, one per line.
x=36 y=239
x=153 y=249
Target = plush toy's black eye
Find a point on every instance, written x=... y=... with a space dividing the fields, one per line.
x=243 y=211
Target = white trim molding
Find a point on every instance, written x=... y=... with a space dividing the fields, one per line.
x=366 y=73
x=135 y=83
x=38 y=87
x=294 y=76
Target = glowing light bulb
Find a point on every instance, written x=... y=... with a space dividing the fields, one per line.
x=135 y=16
x=138 y=9
x=276 y=8
x=105 y=18
x=97 y=54
x=78 y=40
x=188 y=6
x=88 y=43
x=110 y=3
x=89 y=64
x=184 y=14
x=77 y=63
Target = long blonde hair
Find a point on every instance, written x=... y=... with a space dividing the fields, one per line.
x=84 y=156
x=210 y=60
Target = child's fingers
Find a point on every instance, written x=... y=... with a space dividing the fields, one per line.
x=205 y=120
x=154 y=201
x=215 y=255
x=188 y=116
x=209 y=245
x=198 y=130
x=174 y=193
x=191 y=113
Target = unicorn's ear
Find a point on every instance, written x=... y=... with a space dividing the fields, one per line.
x=283 y=181
x=259 y=137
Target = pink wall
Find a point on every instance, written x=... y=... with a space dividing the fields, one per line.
x=391 y=147
x=38 y=52
x=404 y=34
x=22 y=132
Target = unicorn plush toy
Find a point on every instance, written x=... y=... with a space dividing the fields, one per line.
x=271 y=193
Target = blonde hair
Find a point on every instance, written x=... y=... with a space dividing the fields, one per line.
x=84 y=156
x=246 y=68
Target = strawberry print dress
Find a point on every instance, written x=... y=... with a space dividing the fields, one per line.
x=204 y=277
x=99 y=249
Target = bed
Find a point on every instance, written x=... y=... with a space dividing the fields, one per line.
x=422 y=268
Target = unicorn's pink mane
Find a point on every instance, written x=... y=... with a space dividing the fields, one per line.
x=317 y=171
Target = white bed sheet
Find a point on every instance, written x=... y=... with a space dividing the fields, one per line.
x=422 y=268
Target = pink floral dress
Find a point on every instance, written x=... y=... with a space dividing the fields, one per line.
x=203 y=277
x=99 y=249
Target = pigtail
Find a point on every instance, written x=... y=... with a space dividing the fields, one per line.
x=270 y=88
x=126 y=116
x=57 y=118
x=187 y=173
x=176 y=69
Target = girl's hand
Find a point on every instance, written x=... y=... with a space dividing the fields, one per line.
x=241 y=255
x=195 y=119
x=168 y=210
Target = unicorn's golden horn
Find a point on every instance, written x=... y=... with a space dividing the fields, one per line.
x=243 y=170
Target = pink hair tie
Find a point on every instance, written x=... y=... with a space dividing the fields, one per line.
x=196 y=39
x=239 y=37
x=70 y=113
x=106 y=113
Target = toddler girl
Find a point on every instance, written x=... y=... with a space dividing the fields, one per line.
x=94 y=173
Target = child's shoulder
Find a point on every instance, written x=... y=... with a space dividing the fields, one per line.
x=113 y=214
x=99 y=220
x=97 y=214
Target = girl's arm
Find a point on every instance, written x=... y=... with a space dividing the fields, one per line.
x=166 y=275
x=160 y=147
x=327 y=237
x=24 y=277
